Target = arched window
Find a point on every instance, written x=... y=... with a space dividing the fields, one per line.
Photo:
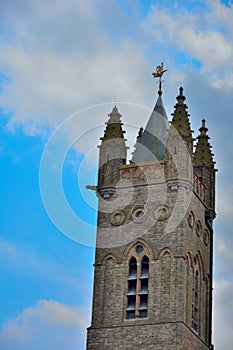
x=109 y=273
x=195 y=301
x=133 y=268
x=137 y=294
x=132 y=288
x=207 y=308
x=144 y=287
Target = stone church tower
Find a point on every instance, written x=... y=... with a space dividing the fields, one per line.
x=154 y=250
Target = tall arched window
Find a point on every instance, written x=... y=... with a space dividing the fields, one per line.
x=132 y=289
x=207 y=308
x=144 y=287
x=195 y=301
x=137 y=294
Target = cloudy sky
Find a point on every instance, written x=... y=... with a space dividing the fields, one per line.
x=63 y=66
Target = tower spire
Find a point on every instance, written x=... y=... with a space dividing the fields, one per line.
x=180 y=120
x=113 y=126
x=204 y=165
x=203 y=155
x=151 y=142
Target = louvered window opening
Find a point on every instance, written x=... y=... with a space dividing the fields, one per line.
x=137 y=294
x=195 y=303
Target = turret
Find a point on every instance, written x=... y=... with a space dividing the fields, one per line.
x=112 y=154
x=180 y=142
x=180 y=121
x=204 y=165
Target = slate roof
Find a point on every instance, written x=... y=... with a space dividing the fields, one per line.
x=151 y=143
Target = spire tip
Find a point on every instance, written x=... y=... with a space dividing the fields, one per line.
x=158 y=74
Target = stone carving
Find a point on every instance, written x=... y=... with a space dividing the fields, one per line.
x=161 y=213
x=117 y=218
x=191 y=219
x=198 y=228
x=206 y=237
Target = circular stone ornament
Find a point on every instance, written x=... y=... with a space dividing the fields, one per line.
x=117 y=218
x=198 y=228
x=191 y=219
x=161 y=213
x=206 y=237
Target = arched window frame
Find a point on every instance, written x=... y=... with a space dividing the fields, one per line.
x=196 y=295
x=137 y=290
x=207 y=307
x=195 y=301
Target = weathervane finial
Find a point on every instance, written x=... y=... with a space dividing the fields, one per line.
x=158 y=74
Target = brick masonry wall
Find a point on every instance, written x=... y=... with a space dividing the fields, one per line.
x=137 y=335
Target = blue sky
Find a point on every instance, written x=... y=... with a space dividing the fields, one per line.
x=62 y=66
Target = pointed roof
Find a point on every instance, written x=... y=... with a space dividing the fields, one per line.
x=180 y=120
x=203 y=155
x=114 y=126
x=151 y=143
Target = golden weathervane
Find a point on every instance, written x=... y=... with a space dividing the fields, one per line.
x=158 y=74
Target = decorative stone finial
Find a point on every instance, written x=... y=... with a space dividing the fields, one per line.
x=181 y=96
x=203 y=129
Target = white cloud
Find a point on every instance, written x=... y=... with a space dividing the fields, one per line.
x=223 y=265
x=63 y=60
x=63 y=57
x=222 y=14
x=225 y=204
x=48 y=86
x=208 y=47
x=223 y=317
x=47 y=325
x=196 y=34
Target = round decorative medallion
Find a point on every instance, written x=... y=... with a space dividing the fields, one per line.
x=191 y=219
x=139 y=214
x=206 y=237
x=198 y=228
x=117 y=218
x=161 y=213
x=139 y=248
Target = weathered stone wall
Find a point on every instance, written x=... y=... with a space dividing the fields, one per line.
x=137 y=334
